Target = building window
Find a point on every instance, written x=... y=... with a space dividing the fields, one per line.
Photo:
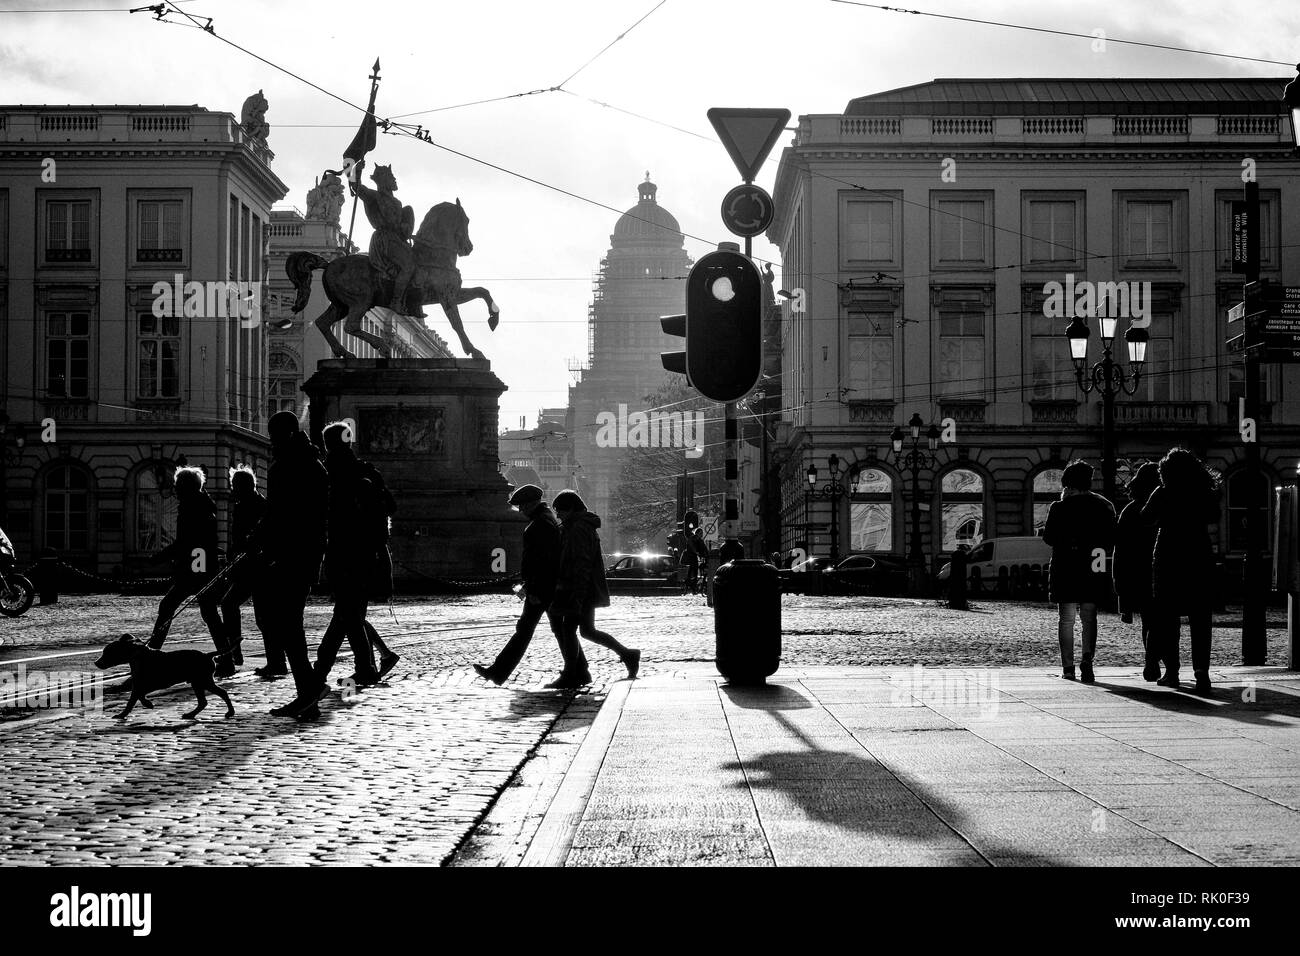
x=961 y=509
x=244 y=250
x=1054 y=234
x=67 y=509
x=67 y=354
x=159 y=349
x=1238 y=487
x=160 y=224
x=871 y=354
x=871 y=512
x=283 y=383
x=870 y=231
x=67 y=230
x=1046 y=489
x=1150 y=226
x=962 y=231
x=961 y=351
x=155 y=508
x=232 y=252
x=1156 y=384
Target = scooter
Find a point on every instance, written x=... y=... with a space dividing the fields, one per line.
x=16 y=592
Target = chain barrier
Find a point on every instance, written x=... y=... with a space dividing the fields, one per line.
x=453 y=584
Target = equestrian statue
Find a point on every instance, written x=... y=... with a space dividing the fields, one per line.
x=402 y=272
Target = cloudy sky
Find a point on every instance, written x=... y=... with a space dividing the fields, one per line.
x=535 y=247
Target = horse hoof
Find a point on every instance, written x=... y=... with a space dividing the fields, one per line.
x=477 y=355
x=493 y=319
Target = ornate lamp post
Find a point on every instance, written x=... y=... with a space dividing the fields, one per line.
x=916 y=461
x=834 y=491
x=1108 y=378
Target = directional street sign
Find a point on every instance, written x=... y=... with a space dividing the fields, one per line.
x=747 y=210
x=1273 y=326
x=748 y=135
x=1240 y=228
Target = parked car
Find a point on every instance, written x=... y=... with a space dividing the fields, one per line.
x=874 y=573
x=1010 y=566
x=795 y=579
x=641 y=573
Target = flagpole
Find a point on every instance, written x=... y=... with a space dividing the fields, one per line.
x=374 y=89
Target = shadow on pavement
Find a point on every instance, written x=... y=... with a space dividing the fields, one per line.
x=530 y=703
x=854 y=791
x=1226 y=702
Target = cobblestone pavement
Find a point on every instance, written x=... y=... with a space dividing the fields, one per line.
x=402 y=773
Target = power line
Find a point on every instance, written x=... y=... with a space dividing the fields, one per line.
x=606 y=47
x=1064 y=33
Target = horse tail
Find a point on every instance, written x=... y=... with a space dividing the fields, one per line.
x=299 y=267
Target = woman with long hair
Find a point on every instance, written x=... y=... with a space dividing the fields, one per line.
x=1182 y=510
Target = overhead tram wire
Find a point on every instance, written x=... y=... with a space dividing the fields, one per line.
x=401 y=128
x=1064 y=33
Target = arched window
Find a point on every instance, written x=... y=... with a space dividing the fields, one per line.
x=871 y=512
x=1047 y=488
x=155 y=508
x=1237 y=490
x=285 y=377
x=961 y=509
x=67 y=509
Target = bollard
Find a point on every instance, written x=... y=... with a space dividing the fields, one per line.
x=47 y=576
x=747 y=621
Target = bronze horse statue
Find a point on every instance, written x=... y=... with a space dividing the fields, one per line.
x=353 y=287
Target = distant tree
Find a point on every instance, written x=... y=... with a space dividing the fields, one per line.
x=643 y=505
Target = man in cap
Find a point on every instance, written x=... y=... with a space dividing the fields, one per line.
x=539 y=570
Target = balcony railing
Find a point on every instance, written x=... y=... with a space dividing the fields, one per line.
x=1157 y=414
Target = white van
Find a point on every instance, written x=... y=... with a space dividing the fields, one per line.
x=1006 y=565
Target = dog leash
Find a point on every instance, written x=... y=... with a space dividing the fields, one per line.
x=218 y=578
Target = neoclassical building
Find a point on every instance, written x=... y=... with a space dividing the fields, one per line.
x=641 y=277
x=107 y=390
x=925 y=227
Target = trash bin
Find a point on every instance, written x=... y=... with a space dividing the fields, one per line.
x=747 y=621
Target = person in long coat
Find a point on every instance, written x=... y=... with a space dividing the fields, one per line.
x=1182 y=510
x=1081 y=531
x=581 y=587
x=1134 y=543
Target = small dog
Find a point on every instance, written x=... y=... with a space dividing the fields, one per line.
x=153 y=670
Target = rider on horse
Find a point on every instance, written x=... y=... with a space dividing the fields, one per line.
x=390 y=250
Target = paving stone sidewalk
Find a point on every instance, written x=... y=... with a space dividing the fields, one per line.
x=398 y=775
x=921 y=766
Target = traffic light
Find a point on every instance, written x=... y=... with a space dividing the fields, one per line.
x=690 y=522
x=723 y=327
x=675 y=361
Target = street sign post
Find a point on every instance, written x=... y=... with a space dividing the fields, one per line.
x=1270 y=315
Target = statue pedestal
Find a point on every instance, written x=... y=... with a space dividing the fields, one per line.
x=430 y=427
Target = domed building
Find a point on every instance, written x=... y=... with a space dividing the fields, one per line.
x=641 y=277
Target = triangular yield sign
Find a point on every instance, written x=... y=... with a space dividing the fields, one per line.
x=748 y=135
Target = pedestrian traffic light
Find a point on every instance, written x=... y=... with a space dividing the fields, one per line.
x=690 y=522
x=724 y=326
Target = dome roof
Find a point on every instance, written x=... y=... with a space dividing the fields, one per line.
x=648 y=221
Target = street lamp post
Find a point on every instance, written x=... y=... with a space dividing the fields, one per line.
x=833 y=491
x=1108 y=378
x=916 y=461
